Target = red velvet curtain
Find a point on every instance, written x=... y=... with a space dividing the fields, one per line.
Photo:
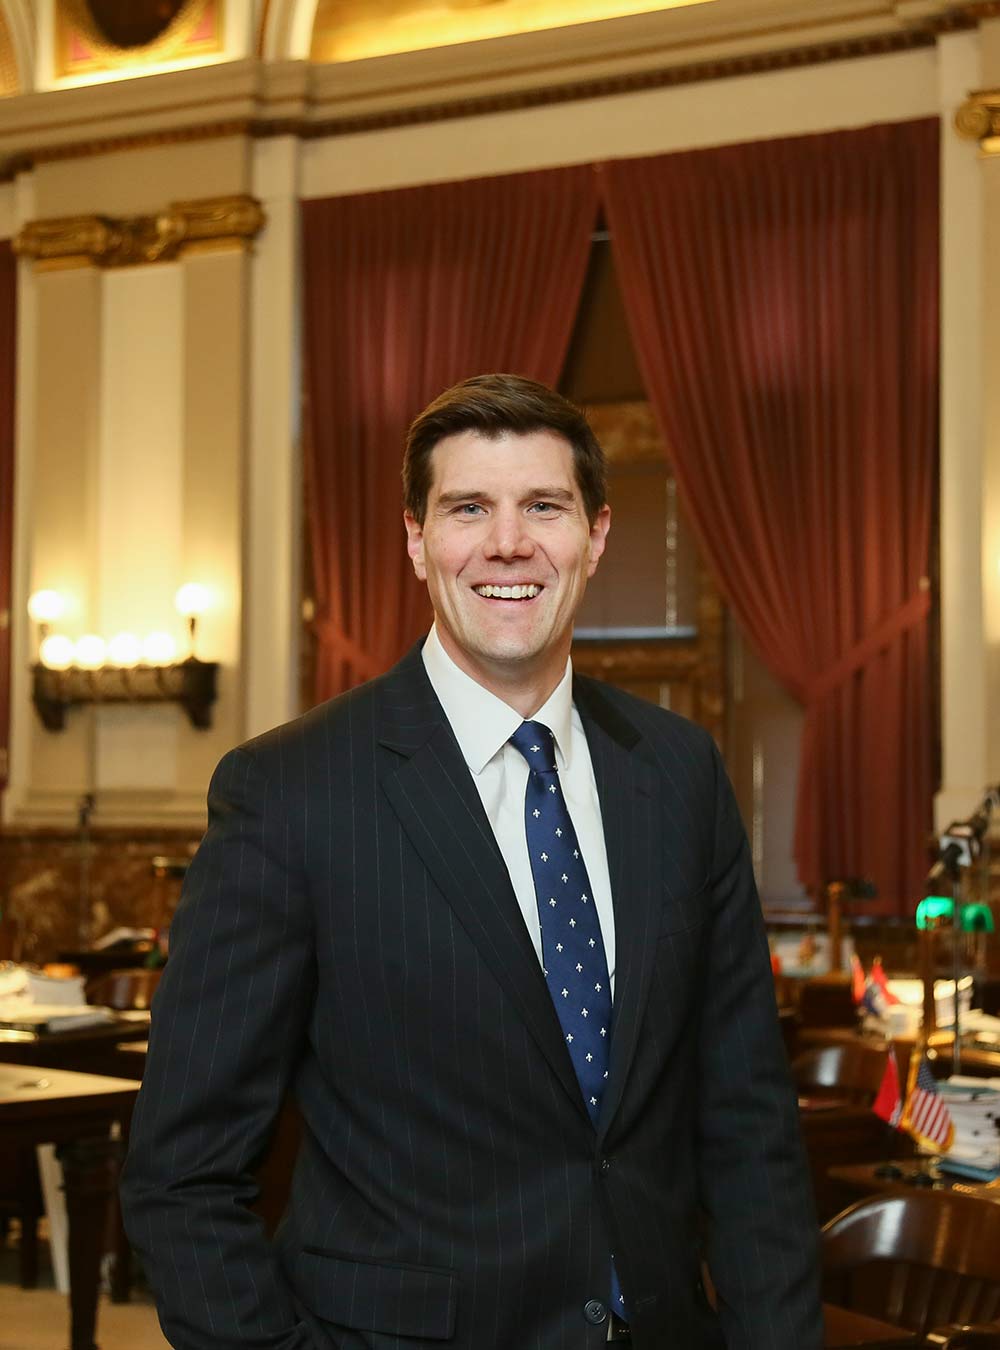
x=783 y=299
x=8 y=301
x=407 y=292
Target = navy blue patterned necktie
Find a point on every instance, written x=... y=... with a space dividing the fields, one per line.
x=573 y=958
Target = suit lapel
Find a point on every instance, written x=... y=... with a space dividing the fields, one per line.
x=429 y=787
x=626 y=786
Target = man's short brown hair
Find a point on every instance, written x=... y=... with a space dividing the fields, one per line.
x=493 y=405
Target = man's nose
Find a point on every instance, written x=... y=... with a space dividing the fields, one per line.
x=509 y=536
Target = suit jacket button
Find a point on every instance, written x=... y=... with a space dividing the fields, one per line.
x=595 y=1312
x=605 y=1164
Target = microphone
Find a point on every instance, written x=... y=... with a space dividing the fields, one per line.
x=947 y=866
x=962 y=842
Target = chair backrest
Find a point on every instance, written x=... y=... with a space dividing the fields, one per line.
x=123 y=989
x=918 y=1259
x=851 y=1069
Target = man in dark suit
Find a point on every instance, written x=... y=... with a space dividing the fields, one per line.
x=496 y=928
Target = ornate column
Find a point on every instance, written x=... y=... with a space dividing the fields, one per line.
x=970 y=439
x=273 y=589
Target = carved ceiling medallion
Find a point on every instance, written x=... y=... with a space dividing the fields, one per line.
x=94 y=35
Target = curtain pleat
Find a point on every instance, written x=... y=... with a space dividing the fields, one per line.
x=407 y=292
x=8 y=329
x=783 y=300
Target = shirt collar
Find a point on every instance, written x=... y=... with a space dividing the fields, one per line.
x=483 y=723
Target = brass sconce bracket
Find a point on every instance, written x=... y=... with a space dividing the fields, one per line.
x=190 y=683
x=978 y=119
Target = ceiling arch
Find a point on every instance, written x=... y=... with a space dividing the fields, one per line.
x=285 y=28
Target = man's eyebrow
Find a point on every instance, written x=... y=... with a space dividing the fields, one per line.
x=555 y=494
x=458 y=495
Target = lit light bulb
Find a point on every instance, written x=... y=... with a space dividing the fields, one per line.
x=159 y=649
x=46 y=606
x=56 y=652
x=90 y=651
x=124 y=649
x=192 y=599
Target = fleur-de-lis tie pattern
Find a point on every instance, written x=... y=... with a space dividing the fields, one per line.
x=573 y=957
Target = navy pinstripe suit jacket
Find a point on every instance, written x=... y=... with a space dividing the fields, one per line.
x=348 y=930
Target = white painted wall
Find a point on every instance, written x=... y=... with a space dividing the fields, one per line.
x=892 y=88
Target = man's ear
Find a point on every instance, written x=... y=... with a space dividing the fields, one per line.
x=598 y=537
x=415 y=544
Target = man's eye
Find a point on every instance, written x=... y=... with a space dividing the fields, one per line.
x=542 y=507
x=469 y=509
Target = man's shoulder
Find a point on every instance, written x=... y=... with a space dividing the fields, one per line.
x=647 y=720
x=328 y=728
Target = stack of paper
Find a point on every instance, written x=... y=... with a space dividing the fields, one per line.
x=33 y=1002
x=974 y=1104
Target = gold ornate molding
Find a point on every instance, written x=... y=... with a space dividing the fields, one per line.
x=102 y=241
x=83 y=44
x=978 y=119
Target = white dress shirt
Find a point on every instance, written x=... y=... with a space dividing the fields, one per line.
x=483 y=725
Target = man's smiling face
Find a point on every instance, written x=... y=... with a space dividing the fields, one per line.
x=506 y=550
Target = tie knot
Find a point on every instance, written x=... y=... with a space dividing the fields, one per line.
x=537 y=744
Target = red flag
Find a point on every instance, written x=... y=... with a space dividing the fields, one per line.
x=888 y=1104
x=879 y=976
x=857 y=979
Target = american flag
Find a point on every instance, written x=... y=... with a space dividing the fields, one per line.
x=925 y=1115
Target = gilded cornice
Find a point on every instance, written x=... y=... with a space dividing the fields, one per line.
x=978 y=119
x=254 y=98
x=104 y=241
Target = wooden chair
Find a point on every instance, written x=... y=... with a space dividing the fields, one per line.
x=851 y=1070
x=928 y=1261
x=123 y=989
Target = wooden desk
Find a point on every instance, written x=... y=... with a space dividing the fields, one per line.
x=863 y=1179
x=89 y=1050
x=75 y=1111
x=842 y=1327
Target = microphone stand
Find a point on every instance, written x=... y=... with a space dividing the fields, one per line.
x=85 y=810
x=959 y=847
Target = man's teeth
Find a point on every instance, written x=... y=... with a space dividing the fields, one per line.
x=508 y=592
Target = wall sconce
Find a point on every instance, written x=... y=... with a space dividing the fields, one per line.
x=123 y=670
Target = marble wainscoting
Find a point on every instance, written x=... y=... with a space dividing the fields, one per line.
x=59 y=892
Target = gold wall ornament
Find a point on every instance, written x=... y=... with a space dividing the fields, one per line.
x=180 y=20
x=978 y=119
x=103 y=241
